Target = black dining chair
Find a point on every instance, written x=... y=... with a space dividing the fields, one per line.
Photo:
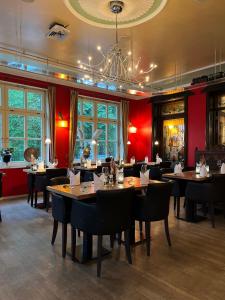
x=154 y=206
x=208 y=194
x=155 y=173
x=111 y=214
x=61 y=210
x=0 y=216
x=52 y=173
x=88 y=176
x=30 y=185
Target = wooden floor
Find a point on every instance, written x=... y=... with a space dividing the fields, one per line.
x=30 y=268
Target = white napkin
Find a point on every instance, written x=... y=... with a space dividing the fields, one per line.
x=132 y=161
x=88 y=163
x=118 y=171
x=99 y=163
x=222 y=170
x=41 y=166
x=146 y=159
x=144 y=177
x=99 y=181
x=203 y=171
x=158 y=160
x=51 y=166
x=74 y=179
x=178 y=169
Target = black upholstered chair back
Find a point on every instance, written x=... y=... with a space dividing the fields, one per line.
x=52 y=173
x=61 y=208
x=128 y=172
x=59 y=180
x=114 y=209
x=88 y=176
x=155 y=205
x=218 y=181
x=155 y=173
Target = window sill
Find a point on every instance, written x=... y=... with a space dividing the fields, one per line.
x=13 y=166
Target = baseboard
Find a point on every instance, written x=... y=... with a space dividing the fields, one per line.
x=13 y=197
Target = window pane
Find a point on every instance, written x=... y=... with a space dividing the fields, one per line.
x=36 y=144
x=34 y=127
x=79 y=125
x=112 y=132
x=16 y=98
x=88 y=130
x=112 y=112
x=102 y=110
x=101 y=150
x=88 y=109
x=102 y=136
x=77 y=150
x=221 y=127
x=34 y=101
x=79 y=107
x=18 y=149
x=16 y=126
x=112 y=149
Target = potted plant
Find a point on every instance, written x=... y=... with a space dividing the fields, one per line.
x=6 y=154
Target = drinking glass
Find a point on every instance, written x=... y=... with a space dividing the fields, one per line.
x=105 y=171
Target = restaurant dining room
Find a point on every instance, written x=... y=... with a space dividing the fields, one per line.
x=112 y=150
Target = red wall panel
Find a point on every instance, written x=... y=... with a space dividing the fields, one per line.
x=14 y=182
x=140 y=116
x=196 y=124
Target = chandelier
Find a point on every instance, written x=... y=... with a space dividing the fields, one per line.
x=115 y=66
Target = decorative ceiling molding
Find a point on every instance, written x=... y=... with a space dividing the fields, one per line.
x=98 y=13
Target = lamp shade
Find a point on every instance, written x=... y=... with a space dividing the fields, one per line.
x=132 y=129
x=62 y=123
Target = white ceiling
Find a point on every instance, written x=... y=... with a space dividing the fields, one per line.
x=180 y=38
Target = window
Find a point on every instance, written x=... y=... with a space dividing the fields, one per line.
x=22 y=120
x=216 y=128
x=97 y=114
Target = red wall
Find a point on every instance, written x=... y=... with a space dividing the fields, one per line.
x=196 y=124
x=140 y=116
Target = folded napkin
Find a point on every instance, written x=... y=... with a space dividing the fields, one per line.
x=132 y=161
x=144 y=177
x=99 y=163
x=99 y=180
x=41 y=166
x=146 y=159
x=88 y=163
x=178 y=169
x=222 y=170
x=118 y=172
x=74 y=178
x=51 y=166
x=203 y=171
x=158 y=160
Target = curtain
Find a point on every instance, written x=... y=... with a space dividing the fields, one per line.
x=73 y=125
x=125 y=124
x=52 y=123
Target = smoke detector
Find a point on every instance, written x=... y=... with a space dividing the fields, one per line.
x=58 y=31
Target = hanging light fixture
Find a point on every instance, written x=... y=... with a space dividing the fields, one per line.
x=115 y=66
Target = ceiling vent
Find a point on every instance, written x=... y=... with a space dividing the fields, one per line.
x=58 y=32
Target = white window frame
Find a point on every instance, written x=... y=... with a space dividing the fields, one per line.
x=95 y=120
x=5 y=110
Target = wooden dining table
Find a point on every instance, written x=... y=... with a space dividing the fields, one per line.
x=88 y=190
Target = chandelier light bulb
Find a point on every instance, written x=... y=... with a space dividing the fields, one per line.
x=121 y=86
x=129 y=53
x=100 y=69
x=78 y=61
x=86 y=76
x=81 y=66
x=129 y=69
x=141 y=72
x=89 y=58
x=147 y=78
x=102 y=79
x=109 y=60
x=99 y=48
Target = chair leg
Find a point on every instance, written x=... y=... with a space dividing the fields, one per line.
x=175 y=203
x=28 y=197
x=178 y=207
x=54 y=232
x=140 y=227
x=148 y=237
x=167 y=231
x=35 y=199
x=127 y=246
x=112 y=238
x=73 y=243
x=64 y=239
x=119 y=238
x=0 y=217
x=46 y=199
x=212 y=213
x=78 y=233
x=99 y=262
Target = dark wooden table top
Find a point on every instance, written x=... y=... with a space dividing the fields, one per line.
x=87 y=189
x=188 y=176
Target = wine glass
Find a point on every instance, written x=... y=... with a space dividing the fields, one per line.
x=105 y=171
x=55 y=162
x=143 y=168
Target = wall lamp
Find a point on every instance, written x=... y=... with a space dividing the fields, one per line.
x=132 y=128
x=61 y=122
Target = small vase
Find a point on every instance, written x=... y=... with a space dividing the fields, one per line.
x=6 y=159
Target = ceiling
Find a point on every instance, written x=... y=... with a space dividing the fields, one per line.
x=182 y=37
